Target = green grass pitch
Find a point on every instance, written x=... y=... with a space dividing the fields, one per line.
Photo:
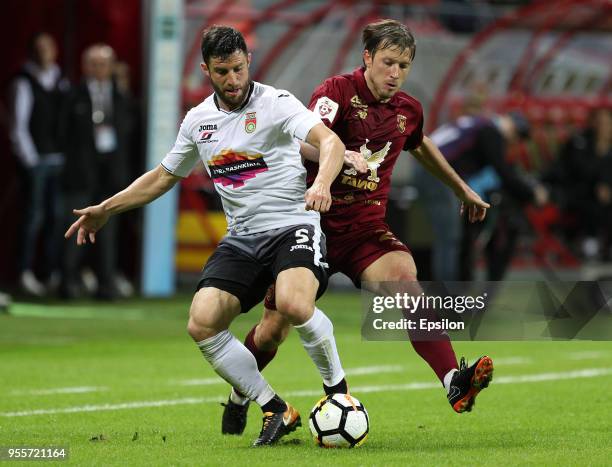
x=129 y=372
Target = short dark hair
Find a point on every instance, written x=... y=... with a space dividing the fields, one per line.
x=386 y=34
x=221 y=42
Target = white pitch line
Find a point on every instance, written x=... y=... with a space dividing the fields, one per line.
x=534 y=378
x=45 y=392
x=512 y=361
x=105 y=407
x=587 y=355
x=537 y=378
x=364 y=389
x=199 y=382
x=39 y=341
x=374 y=370
x=357 y=371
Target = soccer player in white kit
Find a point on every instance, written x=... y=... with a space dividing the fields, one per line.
x=246 y=133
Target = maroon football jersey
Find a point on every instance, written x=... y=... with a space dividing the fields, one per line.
x=379 y=131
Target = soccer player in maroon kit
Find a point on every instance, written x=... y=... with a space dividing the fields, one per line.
x=374 y=118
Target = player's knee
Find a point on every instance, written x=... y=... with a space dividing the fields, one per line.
x=211 y=312
x=407 y=277
x=198 y=332
x=198 y=329
x=293 y=308
x=402 y=274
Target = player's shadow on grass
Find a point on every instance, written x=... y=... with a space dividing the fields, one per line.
x=289 y=443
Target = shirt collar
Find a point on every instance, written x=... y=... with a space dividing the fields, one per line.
x=51 y=74
x=244 y=104
x=96 y=86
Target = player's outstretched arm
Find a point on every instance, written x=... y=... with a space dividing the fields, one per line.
x=432 y=159
x=143 y=190
x=331 y=157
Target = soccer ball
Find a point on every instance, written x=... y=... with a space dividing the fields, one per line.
x=339 y=421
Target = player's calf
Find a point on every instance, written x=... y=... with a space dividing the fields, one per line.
x=271 y=331
x=262 y=341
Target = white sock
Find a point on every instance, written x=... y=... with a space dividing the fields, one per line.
x=236 y=365
x=448 y=378
x=237 y=398
x=317 y=336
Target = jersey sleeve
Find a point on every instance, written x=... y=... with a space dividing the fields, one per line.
x=415 y=138
x=184 y=154
x=326 y=102
x=294 y=119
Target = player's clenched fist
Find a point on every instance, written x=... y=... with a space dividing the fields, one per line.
x=90 y=221
x=318 y=198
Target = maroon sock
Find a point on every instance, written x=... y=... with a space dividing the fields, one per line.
x=263 y=357
x=438 y=354
x=434 y=347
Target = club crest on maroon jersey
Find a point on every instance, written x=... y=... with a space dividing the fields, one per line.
x=401 y=123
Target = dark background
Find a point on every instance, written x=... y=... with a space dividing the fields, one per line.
x=74 y=24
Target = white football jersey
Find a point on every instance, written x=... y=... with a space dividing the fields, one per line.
x=252 y=156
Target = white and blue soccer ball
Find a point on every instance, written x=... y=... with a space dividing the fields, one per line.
x=339 y=421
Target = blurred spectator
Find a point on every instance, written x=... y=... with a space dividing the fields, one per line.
x=475 y=146
x=121 y=73
x=461 y=16
x=5 y=302
x=38 y=95
x=128 y=225
x=97 y=161
x=582 y=179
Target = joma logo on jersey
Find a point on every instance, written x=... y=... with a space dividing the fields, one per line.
x=301 y=247
x=206 y=127
x=206 y=132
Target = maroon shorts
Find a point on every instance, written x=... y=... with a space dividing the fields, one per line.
x=352 y=251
